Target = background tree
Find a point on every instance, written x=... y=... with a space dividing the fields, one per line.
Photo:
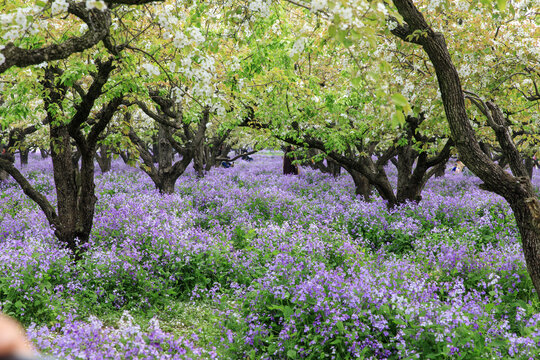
x=407 y=22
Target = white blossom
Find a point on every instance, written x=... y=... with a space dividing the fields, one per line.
x=196 y=35
x=151 y=69
x=298 y=47
x=180 y=40
x=318 y=5
x=59 y=6
x=96 y=4
x=392 y=24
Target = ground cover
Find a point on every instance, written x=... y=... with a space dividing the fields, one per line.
x=247 y=263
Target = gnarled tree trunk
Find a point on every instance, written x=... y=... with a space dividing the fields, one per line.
x=516 y=189
x=104 y=159
x=23 y=153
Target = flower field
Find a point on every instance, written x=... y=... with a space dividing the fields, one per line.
x=248 y=263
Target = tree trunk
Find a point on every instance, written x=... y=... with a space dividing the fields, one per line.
x=198 y=161
x=24 y=156
x=165 y=183
x=126 y=158
x=440 y=170
x=164 y=148
x=527 y=214
x=155 y=145
x=362 y=185
x=211 y=161
x=74 y=189
x=529 y=165
x=44 y=153
x=334 y=168
x=517 y=189
x=65 y=179
x=104 y=159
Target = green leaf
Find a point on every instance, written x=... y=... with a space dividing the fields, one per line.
x=291 y=354
x=400 y=100
x=398 y=118
x=287 y=312
x=501 y=5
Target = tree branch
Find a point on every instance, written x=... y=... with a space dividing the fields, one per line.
x=32 y=193
x=98 y=23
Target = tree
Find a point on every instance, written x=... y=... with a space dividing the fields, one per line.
x=73 y=219
x=76 y=112
x=517 y=188
x=97 y=19
x=307 y=98
x=173 y=134
x=407 y=23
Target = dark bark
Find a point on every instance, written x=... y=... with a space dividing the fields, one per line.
x=516 y=189
x=165 y=150
x=126 y=157
x=44 y=153
x=104 y=158
x=98 y=22
x=361 y=184
x=211 y=152
x=415 y=168
x=440 y=170
x=23 y=156
x=529 y=166
x=330 y=167
x=199 y=159
x=288 y=167
x=75 y=189
x=333 y=167
x=170 y=139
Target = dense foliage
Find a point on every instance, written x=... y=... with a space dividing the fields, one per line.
x=250 y=263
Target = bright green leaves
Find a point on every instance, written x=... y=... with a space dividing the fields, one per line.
x=417 y=34
x=402 y=107
x=397 y=119
x=400 y=101
x=501 y=5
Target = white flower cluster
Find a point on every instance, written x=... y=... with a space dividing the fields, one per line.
x=2 y=59
x=195 y=38
x=203 y=77
x=345 y=13
x=177 y=95
x=96 y=4
x=276 y=29
x=298 y=46
x=392 y=24
x=521 y=4
x=261 y=6
x=233 y=64
x=465 y=70
x=462 y=5
x=59 y=6
x=151 y=69
x=318 y=5
x=166 y=20
x=180 y=40
x=18 y=22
